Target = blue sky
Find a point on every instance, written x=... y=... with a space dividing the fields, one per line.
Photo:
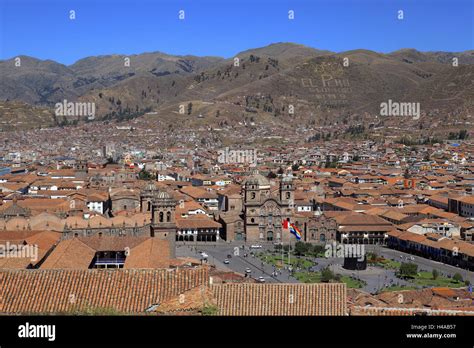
x=42 y=28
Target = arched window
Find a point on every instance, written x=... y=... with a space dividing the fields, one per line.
x=322 y=237
x=161 y=216
x=288 y=195
x=168 y=216
x=149 y=206
x=252 y=195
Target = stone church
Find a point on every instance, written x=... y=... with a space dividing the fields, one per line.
x=162 y=207
x=263 y=211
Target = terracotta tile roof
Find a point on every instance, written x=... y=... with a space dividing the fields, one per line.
x=198 y=192
x=367 y=228
x=280 y=299
x=196 y=221
x=15 y=262
x=186 y=206
x=70 y=254
x=151 y=253
x=394 y=215
x=361 y=219
x=78 y=253
x=42 y=240
x=192 y=300
x=69 y=291
x=38 y=205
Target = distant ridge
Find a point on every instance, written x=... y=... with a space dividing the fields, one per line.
x=260 y=85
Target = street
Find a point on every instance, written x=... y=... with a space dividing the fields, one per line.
x=376 y=278
x=238 y=263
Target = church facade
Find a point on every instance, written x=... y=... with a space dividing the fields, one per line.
x=264 y=211
x=264 y=208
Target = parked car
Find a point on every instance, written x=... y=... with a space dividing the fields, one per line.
x=261 y=279
x=248 y=270
x=256 y=246
x=229 y=256
x=226 y=261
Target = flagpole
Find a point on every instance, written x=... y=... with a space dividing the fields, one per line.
x=289 y=252
x=282 y=251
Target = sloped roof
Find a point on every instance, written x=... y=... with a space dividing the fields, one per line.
x=245 y=299
x=79 y=252
x=69 y=291
x=69 y=254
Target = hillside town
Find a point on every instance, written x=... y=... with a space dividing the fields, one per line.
x=219 y=226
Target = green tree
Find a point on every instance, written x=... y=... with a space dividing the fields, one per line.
x=435 y=274
x=318 y=249
x=408 y=270
x=326 y=275
x=457 y=277
x=301 y=248
x=145 y=175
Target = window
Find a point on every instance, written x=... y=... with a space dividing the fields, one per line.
x=161 y=216
x=252 y=195
x=168 y=216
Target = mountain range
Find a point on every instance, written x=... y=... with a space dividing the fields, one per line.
x=272 y=84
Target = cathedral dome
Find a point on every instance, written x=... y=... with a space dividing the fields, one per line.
x=163 y=198
x=149 y=190
x=163 y=195
x=150 y=187
x=257 y=179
